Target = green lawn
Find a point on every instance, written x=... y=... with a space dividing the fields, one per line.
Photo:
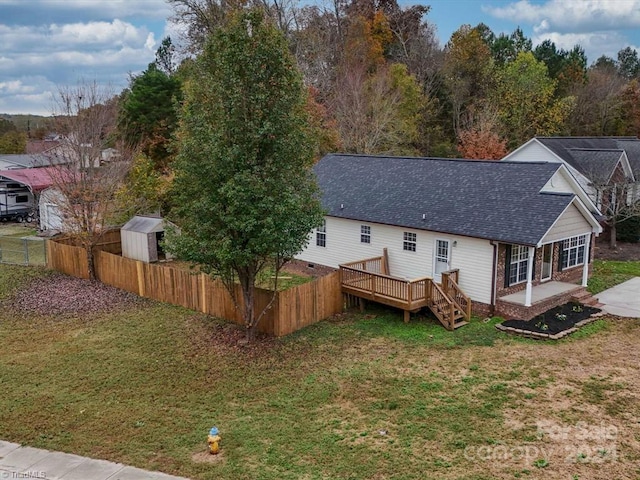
x=608 y=273
x=15 y=250
x=361 y=396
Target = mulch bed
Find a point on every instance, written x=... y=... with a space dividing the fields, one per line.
x=554 y=323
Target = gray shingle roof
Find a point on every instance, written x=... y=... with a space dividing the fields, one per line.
x=484 y=199
x=597 y=165
x=561 y=146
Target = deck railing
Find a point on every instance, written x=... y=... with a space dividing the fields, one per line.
x=407 y=294
x=454 y=292
x=374 y=265
x=368 y=279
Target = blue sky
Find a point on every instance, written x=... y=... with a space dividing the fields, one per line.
x=45 y=44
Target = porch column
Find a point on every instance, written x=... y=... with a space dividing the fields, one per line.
x=527 y=297
x=587 y=259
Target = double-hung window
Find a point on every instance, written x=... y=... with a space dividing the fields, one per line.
x=365 y=234
x=409 y=242
x=574 y=251
x=321 y=235
x=518 y=264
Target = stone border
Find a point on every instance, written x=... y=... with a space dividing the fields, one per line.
x=549 y=336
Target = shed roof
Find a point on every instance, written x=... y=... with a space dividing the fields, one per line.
x=142 y=224
x=499 y=201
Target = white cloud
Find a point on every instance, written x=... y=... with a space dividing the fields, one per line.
x=572 y=15
x=33 y=12
x=36 y=59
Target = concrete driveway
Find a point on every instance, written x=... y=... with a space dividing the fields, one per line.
x=622 y=300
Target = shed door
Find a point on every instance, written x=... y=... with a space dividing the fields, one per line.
x=442 y=260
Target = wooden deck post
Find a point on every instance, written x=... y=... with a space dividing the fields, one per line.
x=385 y=261
x=407 y=316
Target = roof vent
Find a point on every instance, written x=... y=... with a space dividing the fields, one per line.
x=342 y=206
x=424 y=216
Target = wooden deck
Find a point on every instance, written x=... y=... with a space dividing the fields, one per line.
x=368 y=279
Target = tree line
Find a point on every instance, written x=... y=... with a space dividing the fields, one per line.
x=380 y=83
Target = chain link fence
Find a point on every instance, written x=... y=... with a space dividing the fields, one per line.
x=23 y=250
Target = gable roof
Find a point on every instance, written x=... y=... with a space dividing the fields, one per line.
x=564 y=147
x=144 y=224
x=499 y=201
x=597 y=165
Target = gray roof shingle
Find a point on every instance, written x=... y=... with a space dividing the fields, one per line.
x=597 y=165
x=561 y=146
x=484 y=199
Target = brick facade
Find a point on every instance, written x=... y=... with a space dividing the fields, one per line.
x=568 y=275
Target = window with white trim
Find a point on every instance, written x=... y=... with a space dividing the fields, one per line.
x=518 y=264
x=573 y=251
x=409 y=243
x=321 y=235
x=365 y=234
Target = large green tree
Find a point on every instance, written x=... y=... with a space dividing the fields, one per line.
x=148 y=109
x=244 y=193
x=525 y=98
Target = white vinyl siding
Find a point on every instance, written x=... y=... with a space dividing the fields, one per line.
x=532 y=152
x=557 y=183
x=569 y=224
x=474 y=257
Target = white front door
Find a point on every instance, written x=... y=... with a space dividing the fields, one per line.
x=547 y=256
x=442 y=258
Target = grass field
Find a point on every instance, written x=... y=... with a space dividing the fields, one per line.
x=15 y=250
x=361 y=396
x=608 y=273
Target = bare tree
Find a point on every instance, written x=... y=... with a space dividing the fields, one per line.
x=85 y=183
x=618 y=203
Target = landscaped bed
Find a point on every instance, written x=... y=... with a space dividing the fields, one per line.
x=554 y=323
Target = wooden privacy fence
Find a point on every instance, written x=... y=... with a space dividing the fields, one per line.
x=292 y=309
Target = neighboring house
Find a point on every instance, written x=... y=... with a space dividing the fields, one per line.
x=519 y=234
x=22 y=187
x=20 y=161
x=597 y=163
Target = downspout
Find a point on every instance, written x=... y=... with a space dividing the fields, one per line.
x=492 y=309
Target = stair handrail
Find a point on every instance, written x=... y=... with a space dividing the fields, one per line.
x=461 y=300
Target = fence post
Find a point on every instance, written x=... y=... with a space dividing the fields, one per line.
x=140 y=272
x=26 y=251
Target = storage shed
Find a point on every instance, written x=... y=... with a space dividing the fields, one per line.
x=141 y=239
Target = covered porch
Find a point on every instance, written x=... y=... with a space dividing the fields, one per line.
x=542 y=292
x=547 y=295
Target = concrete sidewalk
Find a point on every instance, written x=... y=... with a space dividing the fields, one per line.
x=622 y=300
x=27 y=462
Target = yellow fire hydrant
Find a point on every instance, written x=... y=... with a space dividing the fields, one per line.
x=214 y=441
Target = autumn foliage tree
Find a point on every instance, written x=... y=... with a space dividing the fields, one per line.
x=86 y=186
x=482 y=145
